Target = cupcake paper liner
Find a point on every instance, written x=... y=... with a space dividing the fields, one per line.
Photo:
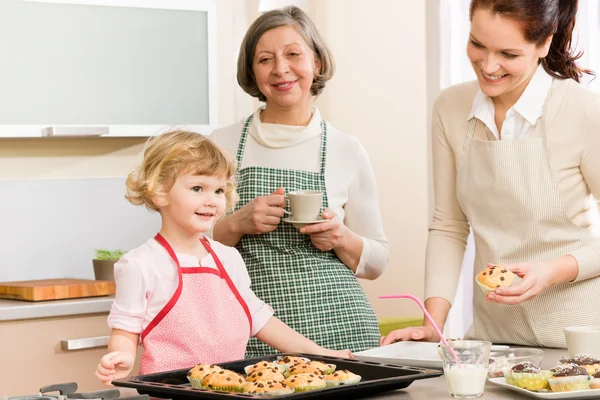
x=352 y=381
x=237 y=389
x=569 y=383
x=197 y=383
x=530 y=381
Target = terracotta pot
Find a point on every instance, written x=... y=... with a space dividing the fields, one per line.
x=104 y=270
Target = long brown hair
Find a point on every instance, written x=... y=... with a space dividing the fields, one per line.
x=540 y=19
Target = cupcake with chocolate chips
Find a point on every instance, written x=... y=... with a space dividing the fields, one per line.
x=527 y=376
x=568 y=377
x=225 y=380
x=303 y=369
x=262 y=365
x=268 y=388
x=591 y=364
x=199 y=372
x=342 y=377
x=305 y=382
x=287 y=361
x=494 y=277
x=265 y=374
x=325 y=368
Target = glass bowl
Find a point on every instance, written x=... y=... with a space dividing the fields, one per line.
x=502 y=359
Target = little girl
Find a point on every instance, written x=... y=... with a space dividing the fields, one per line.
x=183 y=296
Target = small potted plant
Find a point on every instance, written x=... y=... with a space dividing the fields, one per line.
x=104 y=264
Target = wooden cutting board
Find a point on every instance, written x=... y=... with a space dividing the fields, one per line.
x=55 y=289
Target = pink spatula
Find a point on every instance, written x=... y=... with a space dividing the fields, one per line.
x=420 y=303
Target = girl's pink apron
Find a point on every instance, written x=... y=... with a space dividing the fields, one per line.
x=206 y=320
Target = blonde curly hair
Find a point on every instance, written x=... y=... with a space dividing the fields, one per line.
x=171 y=154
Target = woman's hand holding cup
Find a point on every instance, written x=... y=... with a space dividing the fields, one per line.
x=326 y=236
x=262 y=214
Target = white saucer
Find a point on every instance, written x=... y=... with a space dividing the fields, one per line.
x=300 y=224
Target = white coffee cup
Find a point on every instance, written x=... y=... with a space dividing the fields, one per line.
x=305 y=204
x=583 y=340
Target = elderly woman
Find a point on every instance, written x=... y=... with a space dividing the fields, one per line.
x=309 y=276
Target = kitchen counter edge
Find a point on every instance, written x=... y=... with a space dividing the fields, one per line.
x=11 y=310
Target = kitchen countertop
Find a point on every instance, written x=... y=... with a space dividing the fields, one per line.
x=15 y=309
x=435 y=388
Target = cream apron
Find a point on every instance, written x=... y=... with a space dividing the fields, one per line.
x=508 y=193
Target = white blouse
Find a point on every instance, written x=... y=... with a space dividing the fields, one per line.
x=521 y=119
x=349 y=177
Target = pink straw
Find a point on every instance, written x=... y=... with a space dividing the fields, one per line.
x=420 y=303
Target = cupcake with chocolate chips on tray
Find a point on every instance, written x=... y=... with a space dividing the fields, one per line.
x=569 y=377
x=303 y=369
x=265 y=374
x=325 y=368
x=305 y=382
x=591 y=364
x=527 y=375
x=225 y=380
x=262 y=365
x=287 y=361
x=342 y=377
x=199 y=372
x=494 y=277
x=268 y=388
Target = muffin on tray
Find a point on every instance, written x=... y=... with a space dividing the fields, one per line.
x=491 y=278
x=225 y=380
x=265 y=374
x=199 y=372
x=342 y=377
x=568 y=377
x=326 y=368
x=527 y=375
x=303 y=369
x=591 y=364
x=305 y=382
x=287 y=361
x=262 y=365
x=268 y=388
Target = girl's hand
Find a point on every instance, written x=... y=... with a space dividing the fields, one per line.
x=261 y=214
x=338 y=353
x=326 y=236
x=417 y=333
x=537 y=276
x=115 y=365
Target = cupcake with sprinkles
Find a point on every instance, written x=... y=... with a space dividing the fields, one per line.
x=591 y=364
x=342 y=377
x=527 y=375
x=569 y=377
x=268 y=388
x=305 y=382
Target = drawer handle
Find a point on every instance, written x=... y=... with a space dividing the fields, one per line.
x=85 y=343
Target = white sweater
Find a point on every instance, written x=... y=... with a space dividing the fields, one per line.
x=349 y=177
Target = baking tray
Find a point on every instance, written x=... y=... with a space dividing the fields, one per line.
x=376 y=378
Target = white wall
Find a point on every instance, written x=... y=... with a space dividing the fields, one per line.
x=377 y=94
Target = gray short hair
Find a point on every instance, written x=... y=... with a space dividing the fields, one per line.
x=287 y=16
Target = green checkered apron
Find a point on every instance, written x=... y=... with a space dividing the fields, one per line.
x=310 y=290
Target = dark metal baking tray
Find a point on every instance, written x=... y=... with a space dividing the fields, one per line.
x=376 y=378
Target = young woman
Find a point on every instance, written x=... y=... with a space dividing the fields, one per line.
x=516 y=158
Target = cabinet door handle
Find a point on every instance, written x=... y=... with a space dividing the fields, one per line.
x=84 y=343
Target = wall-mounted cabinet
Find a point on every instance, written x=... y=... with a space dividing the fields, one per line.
x=112 y=67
